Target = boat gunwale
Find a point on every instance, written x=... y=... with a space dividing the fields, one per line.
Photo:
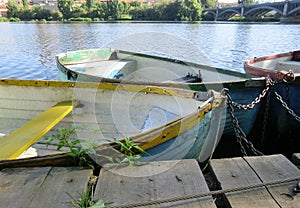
x=259 y=71
x=107 y=85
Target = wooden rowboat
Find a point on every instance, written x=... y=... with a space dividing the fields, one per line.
x=96 y=64
x=167 y=123
x=275 y=66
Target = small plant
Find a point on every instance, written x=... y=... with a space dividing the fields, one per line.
x=126 y=147
x=85 y=200
x=129 y=149
x=64 y=140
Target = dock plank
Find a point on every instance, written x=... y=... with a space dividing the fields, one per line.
x=59 y=182
x=153 y=181
x=41 y=186
x=19 y=185
x=275 y=168
x=236 y=173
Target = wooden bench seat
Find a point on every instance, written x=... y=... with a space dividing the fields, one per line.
x=14 y=144
x=288 y=65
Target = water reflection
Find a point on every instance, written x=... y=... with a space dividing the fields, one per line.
x=28 y=51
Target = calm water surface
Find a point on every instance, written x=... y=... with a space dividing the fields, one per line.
x=27 y=51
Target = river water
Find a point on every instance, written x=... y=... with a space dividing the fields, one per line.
x=27 y=51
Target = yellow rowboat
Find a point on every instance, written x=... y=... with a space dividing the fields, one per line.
x=167 y=123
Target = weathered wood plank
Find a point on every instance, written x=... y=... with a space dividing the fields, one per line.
x=18 y=186
x=59 y=182
x=42 y=187
x=235 y=173
x=275 y=168
x=153 y=181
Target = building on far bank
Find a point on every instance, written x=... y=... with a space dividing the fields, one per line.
x=3 y=8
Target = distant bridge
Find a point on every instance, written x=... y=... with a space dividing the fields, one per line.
x=253 y=11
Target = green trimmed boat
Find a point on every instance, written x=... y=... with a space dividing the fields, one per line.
x=96 y=64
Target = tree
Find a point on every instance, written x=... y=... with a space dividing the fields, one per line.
x=13 y=9
x=65 y=7
x=209 y=3
x=26 y=14
x=172 y=11
x=56 y=15
x=25 y=4
x=78 y=11
x=194 y=9
x=115 y=9
x=89 y=4
x=40 y=13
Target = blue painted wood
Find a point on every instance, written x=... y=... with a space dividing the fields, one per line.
x=246 y=118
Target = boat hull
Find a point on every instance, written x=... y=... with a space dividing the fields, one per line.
x=117 y=110
x=279 y=129
x=274 y=66
x=96 y=64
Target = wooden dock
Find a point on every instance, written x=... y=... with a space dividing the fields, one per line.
x=264 y=181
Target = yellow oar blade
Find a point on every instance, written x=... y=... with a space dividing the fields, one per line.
x=14 y=144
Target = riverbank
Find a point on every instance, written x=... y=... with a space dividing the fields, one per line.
x=290 y=20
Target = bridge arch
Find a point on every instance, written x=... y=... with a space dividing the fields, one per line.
x=213 y=13
x=294 y=11
x=230 y=12
x=265 y=8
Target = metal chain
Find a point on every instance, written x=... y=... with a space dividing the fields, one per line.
x=254 y=102
x=285 y=105
x=266 y=117
x=239 y=133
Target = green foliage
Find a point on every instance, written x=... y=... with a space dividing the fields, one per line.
x=85 y=200
x=237 y=19
x=129 y=150
x=89 y=4
x=65 y=7
x=25 y=4
x=56 y=15
x=78 y=12
x=209 y=3
x=179 y=10
x=14 y=19
x=80 y=153
x=3 y=19
x=135 y=4
x=77 y=152
x=80 y=19
x=13 y=9
x=40 y=13
x=26 y=14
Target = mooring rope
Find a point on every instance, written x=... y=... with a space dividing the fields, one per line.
x=196 y=196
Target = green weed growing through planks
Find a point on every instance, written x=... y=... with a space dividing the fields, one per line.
x=126 y=146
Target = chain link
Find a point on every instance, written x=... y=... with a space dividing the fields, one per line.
x=253 y=103
x=285 y=105
x=239 y=133
x=266 y=117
